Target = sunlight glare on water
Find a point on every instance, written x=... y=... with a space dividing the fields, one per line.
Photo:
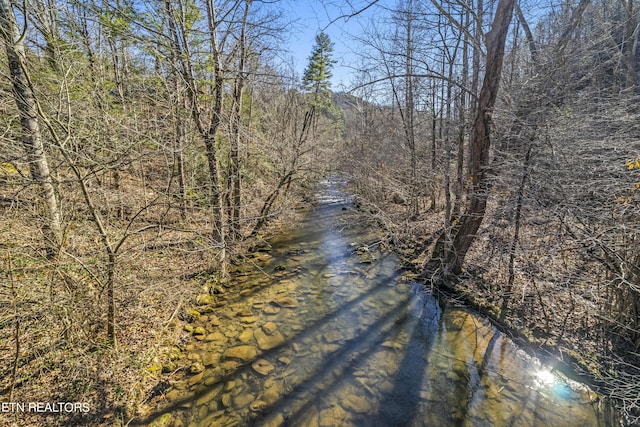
x=545 y=377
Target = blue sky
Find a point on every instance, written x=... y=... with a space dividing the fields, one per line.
x=309 y=17
x=313 y=16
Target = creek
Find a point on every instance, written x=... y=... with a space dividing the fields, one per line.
x=325 y=331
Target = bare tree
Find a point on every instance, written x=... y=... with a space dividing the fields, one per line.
x=481 y=142
x=32 y=139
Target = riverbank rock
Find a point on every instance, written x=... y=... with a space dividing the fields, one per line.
x=192 y=315
x=244 y=353
x=204 y=299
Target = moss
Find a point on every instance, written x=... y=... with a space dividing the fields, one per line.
x=169 y=367
x=163 y=421
x=188 y=328
x=155 y=368
x=193 y=315
x=205 y=299
x=174 y=353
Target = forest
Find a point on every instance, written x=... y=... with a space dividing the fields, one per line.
x=147 y=147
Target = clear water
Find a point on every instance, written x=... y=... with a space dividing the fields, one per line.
x=352 y=344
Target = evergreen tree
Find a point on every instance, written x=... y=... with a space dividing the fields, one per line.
x=317 y=81
x=318 y=74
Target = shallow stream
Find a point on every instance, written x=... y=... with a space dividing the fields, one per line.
x=326 y=332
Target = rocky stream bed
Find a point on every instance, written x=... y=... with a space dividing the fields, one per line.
x=325 y=331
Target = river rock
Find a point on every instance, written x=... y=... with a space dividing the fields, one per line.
x=243 y=399
x=329 y=348
x=196 y=367
x=215 y=337
x=332 y=336
x=267 y=342
x=386 y=386
x=246 y=336
x=333 y=416
x=210 y=358
x=392 y=345
x=269 y=328
x=284 y=360
x=229 y=365
x=262 y=366
x=226 y=400
x=272 y=394
x=271 y=309
x=258 y=405
x=357 y=404
x=244 y=353
x=204 y=299
x=285 y=302
x=310 y=417
x=214 y=320
x=202 y=412
x=195 y=379
x=244 y=312
x=248 y=319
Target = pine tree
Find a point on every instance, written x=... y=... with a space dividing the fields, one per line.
x=317 y=75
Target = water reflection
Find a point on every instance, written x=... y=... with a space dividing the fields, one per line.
x=333 y=337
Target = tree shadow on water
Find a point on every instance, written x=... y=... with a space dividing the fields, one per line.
x=398 y=407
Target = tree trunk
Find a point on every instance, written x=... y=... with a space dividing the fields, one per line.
x=481 y=142
x=179 y=103
x=410 y=109
x=462 y=116
x=631 y=36
x=31 y=136
x=234 y=149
